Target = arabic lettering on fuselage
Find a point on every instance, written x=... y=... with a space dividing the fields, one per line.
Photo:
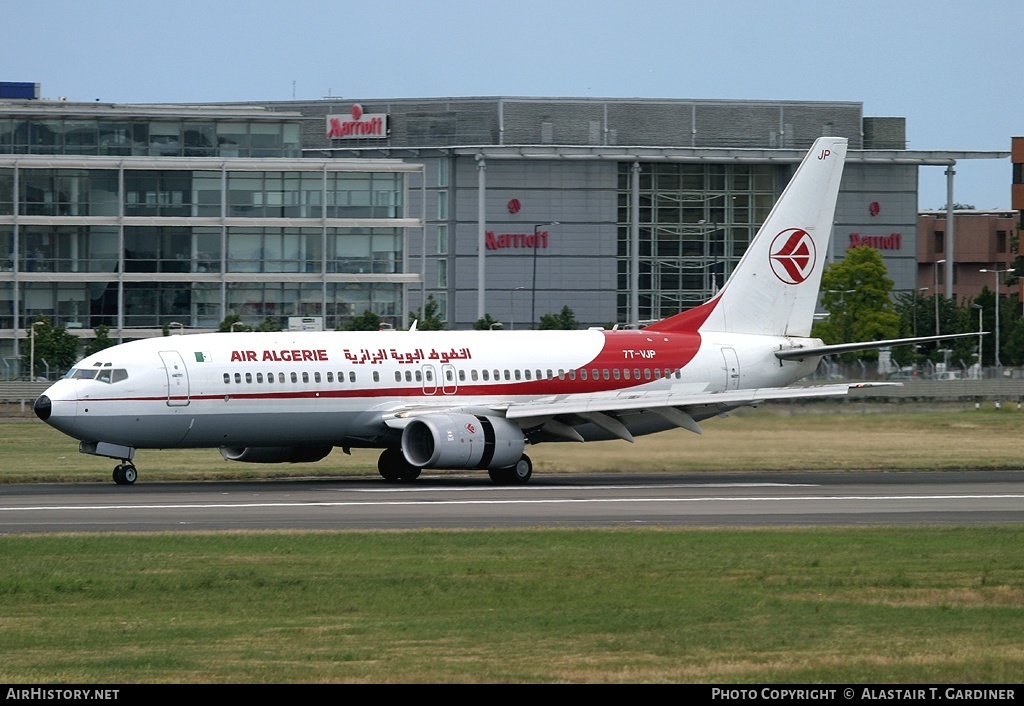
x=383 y=355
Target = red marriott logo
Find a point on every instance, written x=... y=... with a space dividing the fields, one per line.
x=356 y=125
x=893 y=241
x=516 y=240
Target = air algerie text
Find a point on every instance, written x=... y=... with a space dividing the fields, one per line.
x=296 y=355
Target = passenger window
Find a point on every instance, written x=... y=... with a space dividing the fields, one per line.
x=305 y=377
x=259 y=377
x=248 y=378
x=280 y=378
x=486 y=375
x=227 y=378
x=398 y=376
x=616 y=373
x=473 y=375
x=376 y=376
x=295 y=377
x=316 y=377
x=330 y=377
x=352 y=376
x=238 y=378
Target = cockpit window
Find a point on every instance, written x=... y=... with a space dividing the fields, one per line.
x=106 y=374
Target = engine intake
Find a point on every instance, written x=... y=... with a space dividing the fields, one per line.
x=462 y=441
x=275 y=454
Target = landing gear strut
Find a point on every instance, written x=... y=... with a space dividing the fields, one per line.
x=394 y=468
x=125 y=473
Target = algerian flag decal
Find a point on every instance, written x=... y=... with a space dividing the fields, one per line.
x=202 y=357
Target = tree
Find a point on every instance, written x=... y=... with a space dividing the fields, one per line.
x=228 y=324
x=367 y=321
x=566 y=320
x=856 y=291
x=53 y=344
x=428 y=318
x=268 y=324
x=486 y=323
x=101 y=342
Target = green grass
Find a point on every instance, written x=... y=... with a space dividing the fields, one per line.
x=877 y=605
x=833 y=605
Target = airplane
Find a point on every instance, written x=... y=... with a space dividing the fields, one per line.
x=475 y=399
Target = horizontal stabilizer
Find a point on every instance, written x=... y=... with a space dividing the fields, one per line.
x=819 y=351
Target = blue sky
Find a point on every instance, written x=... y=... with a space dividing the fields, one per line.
x=952 y=69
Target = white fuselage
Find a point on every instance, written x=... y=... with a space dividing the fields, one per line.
x=334 y=388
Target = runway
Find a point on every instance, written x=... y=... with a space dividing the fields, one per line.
x=569 y=500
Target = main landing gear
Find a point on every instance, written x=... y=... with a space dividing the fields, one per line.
x=519 y=474
x=125 y=473
x=394 y=468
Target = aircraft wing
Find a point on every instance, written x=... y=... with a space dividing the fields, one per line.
x=601 y=408
x=678 y=408
x=634 y=400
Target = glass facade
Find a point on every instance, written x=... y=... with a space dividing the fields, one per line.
x=695 y=222
x=138 y=136
x=140 y=244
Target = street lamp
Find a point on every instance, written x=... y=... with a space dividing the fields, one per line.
x=32 y=349
x=981 y=366
x=512 y=308
x=997 y=272
x=533 y=297
x=937 y=263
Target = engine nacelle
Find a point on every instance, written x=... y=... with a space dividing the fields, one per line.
x=462 y=441
x=275 y=454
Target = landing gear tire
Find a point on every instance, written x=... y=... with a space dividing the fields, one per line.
x=519 y=474
x=393 y=467
x=125 y=474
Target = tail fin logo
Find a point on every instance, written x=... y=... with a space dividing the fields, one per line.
x=792 y=255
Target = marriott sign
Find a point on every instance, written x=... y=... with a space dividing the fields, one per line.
x=357 y=125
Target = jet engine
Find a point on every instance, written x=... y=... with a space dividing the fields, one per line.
x=275 y=454
x=462 y=441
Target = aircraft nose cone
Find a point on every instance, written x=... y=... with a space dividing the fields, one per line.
x=42 y=407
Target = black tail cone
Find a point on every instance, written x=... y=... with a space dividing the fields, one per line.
x=42 y=407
